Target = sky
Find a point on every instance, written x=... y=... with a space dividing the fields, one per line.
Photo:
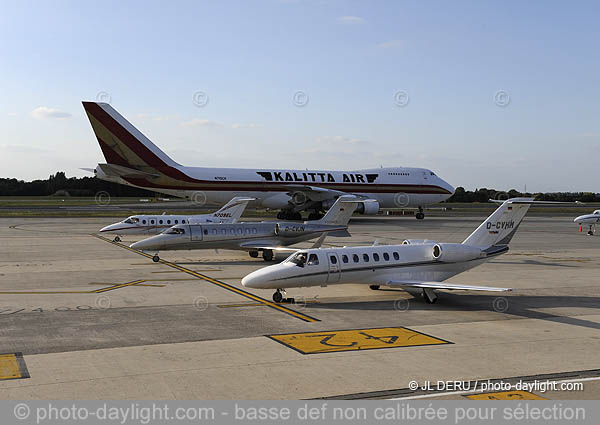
x=497 y=94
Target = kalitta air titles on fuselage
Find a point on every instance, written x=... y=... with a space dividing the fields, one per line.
x=316 y=177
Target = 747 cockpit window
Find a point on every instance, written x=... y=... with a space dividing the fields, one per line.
x=175 y=231
x=299 y=259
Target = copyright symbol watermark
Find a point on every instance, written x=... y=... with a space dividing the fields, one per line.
x=500 y=304
x=102 y=198
x=413 y=385
x=198 y=198
x=401 y=200
x=502 y=98
x=200 y=303
x=401 y=305
x=22 y=411
x=103 y=97
x=401 y=98
x=102 y=302
x=200 y=99
x=300 y=98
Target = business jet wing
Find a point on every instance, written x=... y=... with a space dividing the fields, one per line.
x=443 y=285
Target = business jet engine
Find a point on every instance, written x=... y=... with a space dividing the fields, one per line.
x=455 y=252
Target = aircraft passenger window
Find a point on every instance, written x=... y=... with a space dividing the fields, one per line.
x=232 y=231
x=333 y=259
x=223 y=231
x=396 y=256
x=386 y=256
x=214 y=232
x=159 y=221
x=345 y=259
x=143 y=221
x=206 y=231
x=375 y=257
x=313 y=260
x=176 y=221
x=168 y=221
x=240 y=231
x=366 y=258
x=151 y=221
x=355 y=258
x=254 y=231
x=183 y=221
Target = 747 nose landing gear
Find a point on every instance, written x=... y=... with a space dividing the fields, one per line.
x=117 y=239
x=155 y=258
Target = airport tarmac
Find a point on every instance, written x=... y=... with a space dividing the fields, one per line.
x=82 y=317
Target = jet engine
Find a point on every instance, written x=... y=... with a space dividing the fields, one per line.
x=370 y=207
x=455 y=252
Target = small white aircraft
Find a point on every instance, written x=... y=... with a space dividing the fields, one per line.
x=257 y=236
x=589 y=219
x=415 y=265
x=152 y=224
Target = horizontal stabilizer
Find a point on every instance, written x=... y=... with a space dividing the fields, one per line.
x=448 y=286
x=121 y=171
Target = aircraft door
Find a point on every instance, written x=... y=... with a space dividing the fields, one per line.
x=335 y=271
x=196 y=232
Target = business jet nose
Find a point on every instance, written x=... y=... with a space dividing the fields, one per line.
x=145 y=244
x=257 y=279
x=109 y=228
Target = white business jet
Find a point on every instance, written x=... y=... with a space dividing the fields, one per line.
x=152 y=224
x=589 y=219
x=416 y=264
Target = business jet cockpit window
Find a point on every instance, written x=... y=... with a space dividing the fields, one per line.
x=131 y=220
x=299 y=259
x=175 y=231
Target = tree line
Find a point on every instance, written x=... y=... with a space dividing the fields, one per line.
x=61 y=185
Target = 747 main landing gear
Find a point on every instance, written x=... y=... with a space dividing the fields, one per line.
x=289 y=215
x=420 y=215
x=267 y=255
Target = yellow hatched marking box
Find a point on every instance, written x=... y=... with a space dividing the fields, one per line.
x=12 y=366
x=506 y=395
x=355 y=339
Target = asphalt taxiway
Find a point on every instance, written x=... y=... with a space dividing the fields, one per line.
x=83 y=317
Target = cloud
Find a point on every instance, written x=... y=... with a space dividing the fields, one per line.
x=251 y=125
x=198 y=122
x=392 y=44
x=12 y=114
x=342 y=140
x=350 y=20
x=44 y=112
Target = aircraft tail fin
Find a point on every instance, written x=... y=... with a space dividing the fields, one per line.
x=500 y=227
x=232 y=210
x=341 y=211
x=122 y=144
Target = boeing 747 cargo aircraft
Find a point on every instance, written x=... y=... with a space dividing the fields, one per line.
x=132 y=159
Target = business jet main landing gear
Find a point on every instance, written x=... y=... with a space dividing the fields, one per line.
x=155 y=258
x=267 y=255
x=253 y=254
x=429 y=296
x=591 y=231
x=420 y=215
x=117 y=239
